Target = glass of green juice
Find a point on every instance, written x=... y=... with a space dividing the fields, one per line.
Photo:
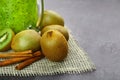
x=18 y=14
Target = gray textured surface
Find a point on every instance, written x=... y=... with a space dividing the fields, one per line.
x=96 y=26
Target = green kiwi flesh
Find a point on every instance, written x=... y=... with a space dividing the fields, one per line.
x=6 y=36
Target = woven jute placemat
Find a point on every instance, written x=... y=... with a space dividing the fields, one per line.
x=77 y=61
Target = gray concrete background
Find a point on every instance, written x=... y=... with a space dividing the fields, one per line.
x=95 y=24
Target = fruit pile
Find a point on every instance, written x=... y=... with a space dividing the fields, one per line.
x=50 y=41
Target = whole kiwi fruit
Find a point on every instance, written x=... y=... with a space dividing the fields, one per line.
x=50 y=17
x=54 y=45
x=60 y=28
x=6 y=36
x=26 y=40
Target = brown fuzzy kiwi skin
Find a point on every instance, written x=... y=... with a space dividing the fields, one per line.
x=60 y=28
x=26 y=40
x=50 y=17
x=54 y=45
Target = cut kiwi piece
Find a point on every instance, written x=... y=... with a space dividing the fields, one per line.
x=6 y=36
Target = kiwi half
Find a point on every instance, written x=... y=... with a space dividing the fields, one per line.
x=6 y=36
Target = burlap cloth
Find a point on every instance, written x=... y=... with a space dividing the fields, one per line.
x=77 y=61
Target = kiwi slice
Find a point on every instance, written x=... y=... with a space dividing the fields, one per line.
x=6 y=36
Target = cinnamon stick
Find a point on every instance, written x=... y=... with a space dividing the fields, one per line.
x=26 y=63
x=15 y=55
x=16 y=60
x=27 y=53
x=12 y=61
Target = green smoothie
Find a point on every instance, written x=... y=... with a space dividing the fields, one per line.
x=18 y=14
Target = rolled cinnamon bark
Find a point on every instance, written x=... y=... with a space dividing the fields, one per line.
x=12 y=61
x=16 y=60
x=29 y=61
x=27 y=53
x=26 y=63
x=15 y=56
